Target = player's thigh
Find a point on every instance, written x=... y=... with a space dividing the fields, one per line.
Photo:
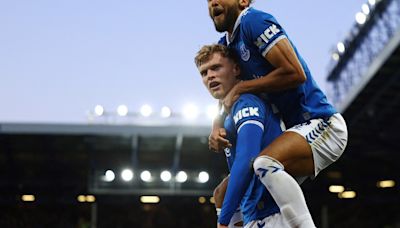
x=300 y=167
x=289 y=149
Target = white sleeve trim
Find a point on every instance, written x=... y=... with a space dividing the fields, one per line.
x=258 y=123
x=268 y=48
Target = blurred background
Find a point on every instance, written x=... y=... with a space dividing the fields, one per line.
x=104 y=121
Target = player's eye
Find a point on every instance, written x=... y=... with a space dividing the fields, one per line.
x=215 y=67
x=203 y=73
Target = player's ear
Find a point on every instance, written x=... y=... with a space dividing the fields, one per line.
x=236 y=71
x=244 y=3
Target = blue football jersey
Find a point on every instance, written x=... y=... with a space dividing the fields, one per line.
x=251 y=126
x=255 y=33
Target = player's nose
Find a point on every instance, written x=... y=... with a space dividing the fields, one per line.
x=213 y=2
x=211 y=74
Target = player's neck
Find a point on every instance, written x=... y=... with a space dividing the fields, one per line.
x=230 y=31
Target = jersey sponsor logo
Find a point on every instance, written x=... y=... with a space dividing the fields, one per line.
x=267 y=35
x=245 y=112
x=227 y=152
x=244 y=52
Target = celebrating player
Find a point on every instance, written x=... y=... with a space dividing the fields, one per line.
x=272 y=67
x=251 y=125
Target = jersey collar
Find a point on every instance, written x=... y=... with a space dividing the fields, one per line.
x=230 y=39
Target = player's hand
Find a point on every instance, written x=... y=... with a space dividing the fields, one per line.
x=217 y=141
x=231 y=97
x=222 y=226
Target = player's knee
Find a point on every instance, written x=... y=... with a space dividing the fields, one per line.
x=264 y=166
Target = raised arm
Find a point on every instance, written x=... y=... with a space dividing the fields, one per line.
x=288 y=74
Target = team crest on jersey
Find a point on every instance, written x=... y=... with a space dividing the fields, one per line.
x=227 y=152
x=244 y=52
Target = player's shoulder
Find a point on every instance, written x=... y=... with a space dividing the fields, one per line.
x=248 y=107
x=252 y=15
x=249 y=97
x=248 y=100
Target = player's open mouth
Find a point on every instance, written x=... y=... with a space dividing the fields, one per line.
x=213 y=85
x=217 y=12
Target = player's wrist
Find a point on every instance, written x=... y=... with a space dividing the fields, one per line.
x=242 y=88
x=218 y=210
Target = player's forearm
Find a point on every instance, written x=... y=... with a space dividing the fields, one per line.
x=218 y=120
x=278 y=80
x=217 y=123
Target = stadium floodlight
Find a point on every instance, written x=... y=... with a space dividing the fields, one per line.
x=212 y=111
x=347 y=195
x=372 y=2
x=145 y=176
x=386 y=184
x=336 y=188
x=190 y=111
x=109 y=176
x=81 y=198
x=341 y=48
x=203 y=177
x=181 y=177
x=165 y=112
x=361 y=18
x=365 y=9
x=99 y=110
x=122 y=110
x=335 y=56
x=149 y=199
x=165 y=176
x=146 y=110
x=28 y=198
x=90 y=198
x=202 y=199
x=127 y=175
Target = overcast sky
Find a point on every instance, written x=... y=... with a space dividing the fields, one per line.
x=58 y=59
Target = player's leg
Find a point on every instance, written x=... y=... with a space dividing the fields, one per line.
x=287 y=148
x=219 y=195
x=306 y=149
x=285 y=190
x=303 y=150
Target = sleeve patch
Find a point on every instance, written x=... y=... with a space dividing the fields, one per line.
x=267 y=35
x=245 y=112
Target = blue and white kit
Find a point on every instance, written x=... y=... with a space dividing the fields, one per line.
x=250 y=127
x=304 y=109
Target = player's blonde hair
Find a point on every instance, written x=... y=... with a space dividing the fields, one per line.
x=205 y=53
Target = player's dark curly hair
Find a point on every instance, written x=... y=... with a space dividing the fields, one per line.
x=205 y=53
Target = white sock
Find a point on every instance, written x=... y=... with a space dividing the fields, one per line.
x=285 y=191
